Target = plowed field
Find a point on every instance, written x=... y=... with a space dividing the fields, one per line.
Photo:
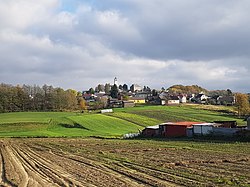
x=96 y=162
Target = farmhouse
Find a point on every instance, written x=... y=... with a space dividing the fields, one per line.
x=173 y=100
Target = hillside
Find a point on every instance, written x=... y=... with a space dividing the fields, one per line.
x=122 y=121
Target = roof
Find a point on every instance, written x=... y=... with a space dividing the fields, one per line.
x=173 y=98
x=153 y=127
x=182 y=123
x=205 y=124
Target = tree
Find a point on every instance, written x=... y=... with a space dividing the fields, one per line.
x=82 y=103
x=125 y=87
x=107 y=88
x=229 y=92
x=100 y=88
x=242 y=104
x=154 y=92
x=114 y=91
x=91 y=91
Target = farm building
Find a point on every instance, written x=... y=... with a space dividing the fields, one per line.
x=176 y=129
x=151 y=131
x=203 y=128
x=227 y=124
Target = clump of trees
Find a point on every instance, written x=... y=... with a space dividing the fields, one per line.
x=194 y=89
x=242 y=104
x=36 y=98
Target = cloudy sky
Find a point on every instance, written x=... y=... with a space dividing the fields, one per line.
x=80 y=43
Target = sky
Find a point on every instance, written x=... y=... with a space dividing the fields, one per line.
x=80 y=43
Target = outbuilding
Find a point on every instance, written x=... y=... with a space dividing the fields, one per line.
x=203 y=128
x=176 y=129
x=151 y=131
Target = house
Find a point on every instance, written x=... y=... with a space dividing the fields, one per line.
x=127 y=104
x=183 y=98
x=137 y=100
x=175 y=129
x=115 y=103
x=135 y=87
x=151 y=131
x=200 y=98
x=167 y=99
x=226 y=100
x=173 y=100
x=144 y=95
x=89 y=97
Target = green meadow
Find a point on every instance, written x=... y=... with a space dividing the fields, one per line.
x=122 y=121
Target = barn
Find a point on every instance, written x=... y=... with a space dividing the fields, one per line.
x=176 y=129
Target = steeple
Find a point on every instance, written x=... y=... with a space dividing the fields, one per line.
x=115 y=81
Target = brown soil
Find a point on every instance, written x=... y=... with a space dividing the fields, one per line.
x=91 y=162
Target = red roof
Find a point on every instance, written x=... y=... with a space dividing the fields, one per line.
x=183 y=123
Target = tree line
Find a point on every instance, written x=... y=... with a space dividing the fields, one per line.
x=36 y=98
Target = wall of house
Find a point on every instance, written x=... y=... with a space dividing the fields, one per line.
x=170 y=102
x=183 y=100
x=139 y=101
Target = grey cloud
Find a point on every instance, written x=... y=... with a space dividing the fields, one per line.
x=155 y=43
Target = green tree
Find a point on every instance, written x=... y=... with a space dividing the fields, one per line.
x=91 y=91
x=125 y=87
x=107 y=88
x=114 y=91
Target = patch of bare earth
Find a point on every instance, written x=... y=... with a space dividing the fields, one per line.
x=92 y=162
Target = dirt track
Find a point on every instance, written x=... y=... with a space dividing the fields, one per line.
x=66 y=162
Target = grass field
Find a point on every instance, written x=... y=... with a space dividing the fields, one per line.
x=122 y=121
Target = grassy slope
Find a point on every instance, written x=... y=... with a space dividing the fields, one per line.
x=178 y=113
x=58 y=124
x=63 y=124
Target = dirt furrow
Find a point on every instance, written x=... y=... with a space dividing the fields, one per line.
x=47 y=170
x=101 y=171
x=3 y=180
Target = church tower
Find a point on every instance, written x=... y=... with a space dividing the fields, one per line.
x=115 y=81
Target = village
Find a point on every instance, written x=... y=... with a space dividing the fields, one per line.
x=121 y=96
x=114 y=96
